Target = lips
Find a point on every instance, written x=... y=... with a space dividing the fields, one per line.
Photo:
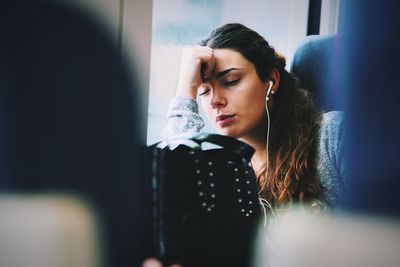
x=223 y=117
x=224 y=120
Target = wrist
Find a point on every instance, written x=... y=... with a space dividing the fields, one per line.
x=186 y=91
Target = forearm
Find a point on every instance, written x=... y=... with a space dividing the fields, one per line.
x=184 y=120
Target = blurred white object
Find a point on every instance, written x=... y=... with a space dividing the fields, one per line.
x=47 y=230
x=302 y=238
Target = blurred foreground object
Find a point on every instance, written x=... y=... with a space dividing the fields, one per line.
x=304 y=239
x=369 y=75
x=69 y=122
x=43 y=230
x=206 y=206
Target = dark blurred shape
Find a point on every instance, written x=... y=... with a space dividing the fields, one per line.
x=370 y=75
x=314 y=17
x=68 y=120
x=206 y=205
x=315 y=64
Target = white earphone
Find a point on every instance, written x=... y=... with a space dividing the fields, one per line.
x=271 y=83
x=269 y=90
x=263 y=201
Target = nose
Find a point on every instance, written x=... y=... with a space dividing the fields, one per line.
x=218 y=98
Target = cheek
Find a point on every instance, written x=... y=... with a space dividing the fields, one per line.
x=254 y=103
x=254 y=109
x=206 y=108
x=255 y=112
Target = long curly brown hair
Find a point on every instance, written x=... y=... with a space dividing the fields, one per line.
x=290 y=175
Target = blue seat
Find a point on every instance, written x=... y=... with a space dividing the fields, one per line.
x=315 y=64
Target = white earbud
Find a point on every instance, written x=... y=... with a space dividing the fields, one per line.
x=271 y=83
x=269 y=90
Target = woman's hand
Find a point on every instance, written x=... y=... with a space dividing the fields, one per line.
x=197 y=64
x=152 y=262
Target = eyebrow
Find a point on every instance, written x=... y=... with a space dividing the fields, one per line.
x=224 y=72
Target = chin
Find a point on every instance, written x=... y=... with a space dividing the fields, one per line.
x=228 y=132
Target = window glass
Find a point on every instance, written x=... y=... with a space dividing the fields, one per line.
x=184 y=22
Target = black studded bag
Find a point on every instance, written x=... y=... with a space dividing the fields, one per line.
x=206 y=206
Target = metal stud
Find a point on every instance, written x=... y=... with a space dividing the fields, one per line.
x=247 y=215
x=238 y=190
x=213 y=195
x=196 y=161
x=249 y=192
x=198 y=171
x=211 y=185
x=199 y=182
x=247 y=182
x=250 y=202
x=240 y=200
x=237 y=179
x=236 y=169
x=203 y=204
x=201 y=193
x=242 y=210
x=208 y=209
x=250 y=211
x=210 y=163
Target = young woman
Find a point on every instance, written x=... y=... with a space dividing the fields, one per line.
x=246 y=93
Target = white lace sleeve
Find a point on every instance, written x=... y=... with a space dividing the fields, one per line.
x=184 y=120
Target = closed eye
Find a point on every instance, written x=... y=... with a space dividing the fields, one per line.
x=204 y=92
x=231 y=82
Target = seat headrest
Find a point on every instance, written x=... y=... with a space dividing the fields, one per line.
x=314 y=64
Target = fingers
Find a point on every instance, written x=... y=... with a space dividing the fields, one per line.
x=197 y=54
x=203 y=56
x=152 y=262
x=210 y=67
x=197 y=62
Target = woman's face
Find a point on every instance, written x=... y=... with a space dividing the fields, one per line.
x=233 y=98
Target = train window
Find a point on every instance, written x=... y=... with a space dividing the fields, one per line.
x=329 y=17
x=185 y=22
